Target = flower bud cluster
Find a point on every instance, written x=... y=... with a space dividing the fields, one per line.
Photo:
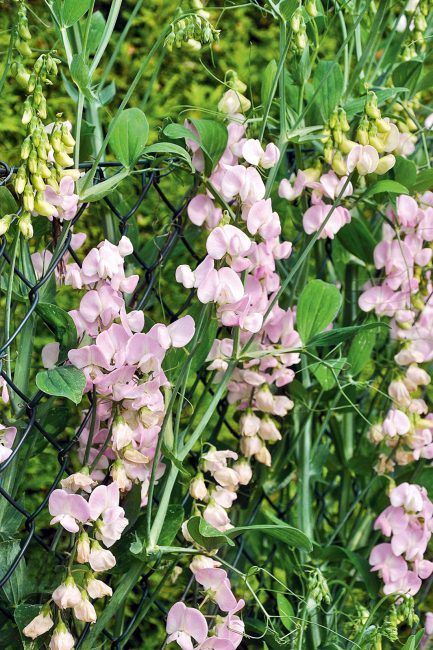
x=193 y=30
x=42 y=183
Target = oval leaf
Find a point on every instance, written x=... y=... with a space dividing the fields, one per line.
x=129 y=136
x=66 y=381
x=213 y=140
x=318 y=305
x=206 y=535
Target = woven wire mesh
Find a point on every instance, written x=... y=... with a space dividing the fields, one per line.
x=171 y=243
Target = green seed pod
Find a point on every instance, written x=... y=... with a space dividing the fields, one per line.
x=20 y=180
x=28 y=198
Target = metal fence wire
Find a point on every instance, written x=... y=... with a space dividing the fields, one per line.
x=170 y=239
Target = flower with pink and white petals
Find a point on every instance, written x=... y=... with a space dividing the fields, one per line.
x=216 y=583
x=68 y=510
x=7 y=437
x=184 y=624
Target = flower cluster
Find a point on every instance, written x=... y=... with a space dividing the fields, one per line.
x=185 y=624
x=377 y=140
x=239 y=276
x=405 y=255
x=124 y=376
x=408 y=521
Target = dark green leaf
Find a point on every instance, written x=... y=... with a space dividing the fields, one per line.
x=97 y=26
x=328 y=78
x=69 y=12
x=326 y=373
x=107 y=94
x=169 y=148
x=425 y=83
x=404 y=171
x=178 y=131
x=66 y=381
x=283 y=532
x=129 y=136
x=391 y=187
x=318 y=305
x=285 y=611
x=356 y=238
x=407 y=74
x=356 y=106
x=15 y=588
x=287 y=8
x=206 y=535
x=338 y=334
x=98 y=191
x=8 y=204
x=80 y=73
x=173 y=521
x=360 y=350
x=413 y=641
x=424 y=181
x=213 y=140
x=60 y=323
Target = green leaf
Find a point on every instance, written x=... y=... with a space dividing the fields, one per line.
x=424 y=181
x=107 y=94
x=356 y=238
x=404 y=171
x=325 y=375
x=360 y=350
x=173 y=521
x=213 y=140
x=206 y=535
x=169 y=148
x=407 y=74
x=178 y=131
x=328 y=78
x=413 y=641
x=268 y=81
x=318 y=305
x=337 y=554
x=356 y=106
x=339 y=334
x=391 y=187
x=66 y=381
x=80 y=73
x=285 y=611
x=15 y=588
x=283 y=532
x=97 y=26
x=98 y=191
x=8 y=204
x=68 y=12
x=129 y=136
x=287 y=8
x=60 y=323
x=425 y=83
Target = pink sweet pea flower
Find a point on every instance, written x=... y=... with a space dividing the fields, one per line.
x=217 y=584
x=396 y=423
x=229 y=240
x=104 y=502
x=176 y=335
x=65 y=199
x=201 y=209
x=68 y=509
x=408 y=496
x=184 y=624
x=50 y=355
x=7 y=437
x=391 y=567
x=315 y=216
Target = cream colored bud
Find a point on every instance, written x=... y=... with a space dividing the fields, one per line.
x=28 y=198
x=38 y=183
x=83 y=548
x=5 y=223
x=20 y=180
x=62 y=158
x=25 y=226
x=385 y=164
x=43 y=207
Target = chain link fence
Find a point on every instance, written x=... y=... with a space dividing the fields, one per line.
x=157 y=223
